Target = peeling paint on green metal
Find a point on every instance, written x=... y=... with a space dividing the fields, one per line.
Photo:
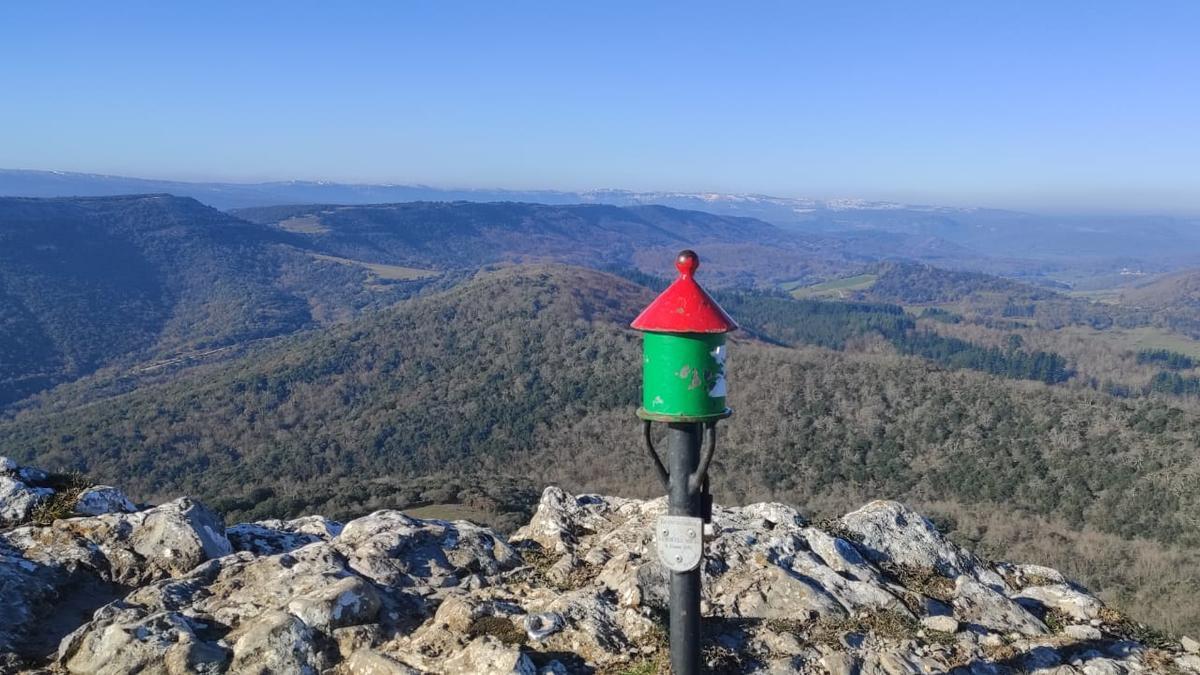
x=683 y=375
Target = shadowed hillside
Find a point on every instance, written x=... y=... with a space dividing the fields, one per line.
x=87 y=281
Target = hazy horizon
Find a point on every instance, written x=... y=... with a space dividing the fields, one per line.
x=1062 y=108
x=1066 y=210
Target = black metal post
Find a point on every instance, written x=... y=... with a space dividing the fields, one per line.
x=684 y=500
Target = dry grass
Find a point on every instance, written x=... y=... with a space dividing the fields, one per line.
x=654 y=665
x=541 y=561
x=1162 y=662
x=834 y=528
x=1133 y=630
x=656 y=648
x=498 y=627
x=67 y=488
x=886 y=624
x=923 y=580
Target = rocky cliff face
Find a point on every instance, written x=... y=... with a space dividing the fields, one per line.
x=169 y=589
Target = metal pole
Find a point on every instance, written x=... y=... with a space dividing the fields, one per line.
x=684 y=447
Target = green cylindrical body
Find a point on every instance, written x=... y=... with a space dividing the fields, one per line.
x=683 y=375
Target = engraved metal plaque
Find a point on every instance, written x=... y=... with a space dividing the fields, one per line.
x=680 y=542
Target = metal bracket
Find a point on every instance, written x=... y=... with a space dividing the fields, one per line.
x=697 y=479
x=663 y=475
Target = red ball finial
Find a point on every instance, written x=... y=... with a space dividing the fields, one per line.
x=686 y=262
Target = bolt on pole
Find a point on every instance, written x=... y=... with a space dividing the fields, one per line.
x=683 y=385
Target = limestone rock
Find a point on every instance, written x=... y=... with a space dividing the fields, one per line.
x=31 y=474
x=542 y=625
x=489 y=656
x=73 y=566
x=269 y=537
x=393 y=549
x=305 y=596
x=18 y=500
x=1037 y=575
x=137 y=642
x=942 y=624
x=579 y=589
x=1188 y=662
x=129 y=548
x=1041 y=658
x=27 y=591
x=1075 y=604
x=367 y=662
x=1081 y=632
x=347 y=602
x=978 y=604
x=100 y=499
x=1102 y=666
x=277 y=642
x=890 y=531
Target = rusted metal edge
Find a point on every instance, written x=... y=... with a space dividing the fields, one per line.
x=683 y=419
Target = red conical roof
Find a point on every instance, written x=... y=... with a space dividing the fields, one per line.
x=684 y=307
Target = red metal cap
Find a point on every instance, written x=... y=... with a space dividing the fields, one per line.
x=684 y=307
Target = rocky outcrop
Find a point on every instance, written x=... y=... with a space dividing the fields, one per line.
x=283 y=608
x=100 y=499
x=53 y=577
x=24 y=489
x=18 y=499
x=578 y=589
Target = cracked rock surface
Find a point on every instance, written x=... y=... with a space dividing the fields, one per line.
x=577 y=590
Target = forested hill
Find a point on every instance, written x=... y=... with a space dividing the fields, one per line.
x=92 y=282
x=88 y=281
x=85 y=280
x=443 y=235
x=1173 y=300
x=979 y=296
x=528 y=375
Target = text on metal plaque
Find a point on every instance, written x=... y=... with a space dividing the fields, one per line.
x=680 y=542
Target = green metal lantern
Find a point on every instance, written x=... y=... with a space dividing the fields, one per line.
x=683 y=351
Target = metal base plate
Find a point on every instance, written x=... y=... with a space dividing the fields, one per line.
x=679 y=541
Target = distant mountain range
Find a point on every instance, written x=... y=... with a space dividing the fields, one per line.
x=90 y=282
x=1160 y=242
x=223 y=195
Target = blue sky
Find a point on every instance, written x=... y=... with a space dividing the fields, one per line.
x=1052 y=105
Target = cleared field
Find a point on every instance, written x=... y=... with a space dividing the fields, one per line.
x=304 y=225
x=389 y=272
x=1107 y=296
x=838 y=288
x=1135 y=339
